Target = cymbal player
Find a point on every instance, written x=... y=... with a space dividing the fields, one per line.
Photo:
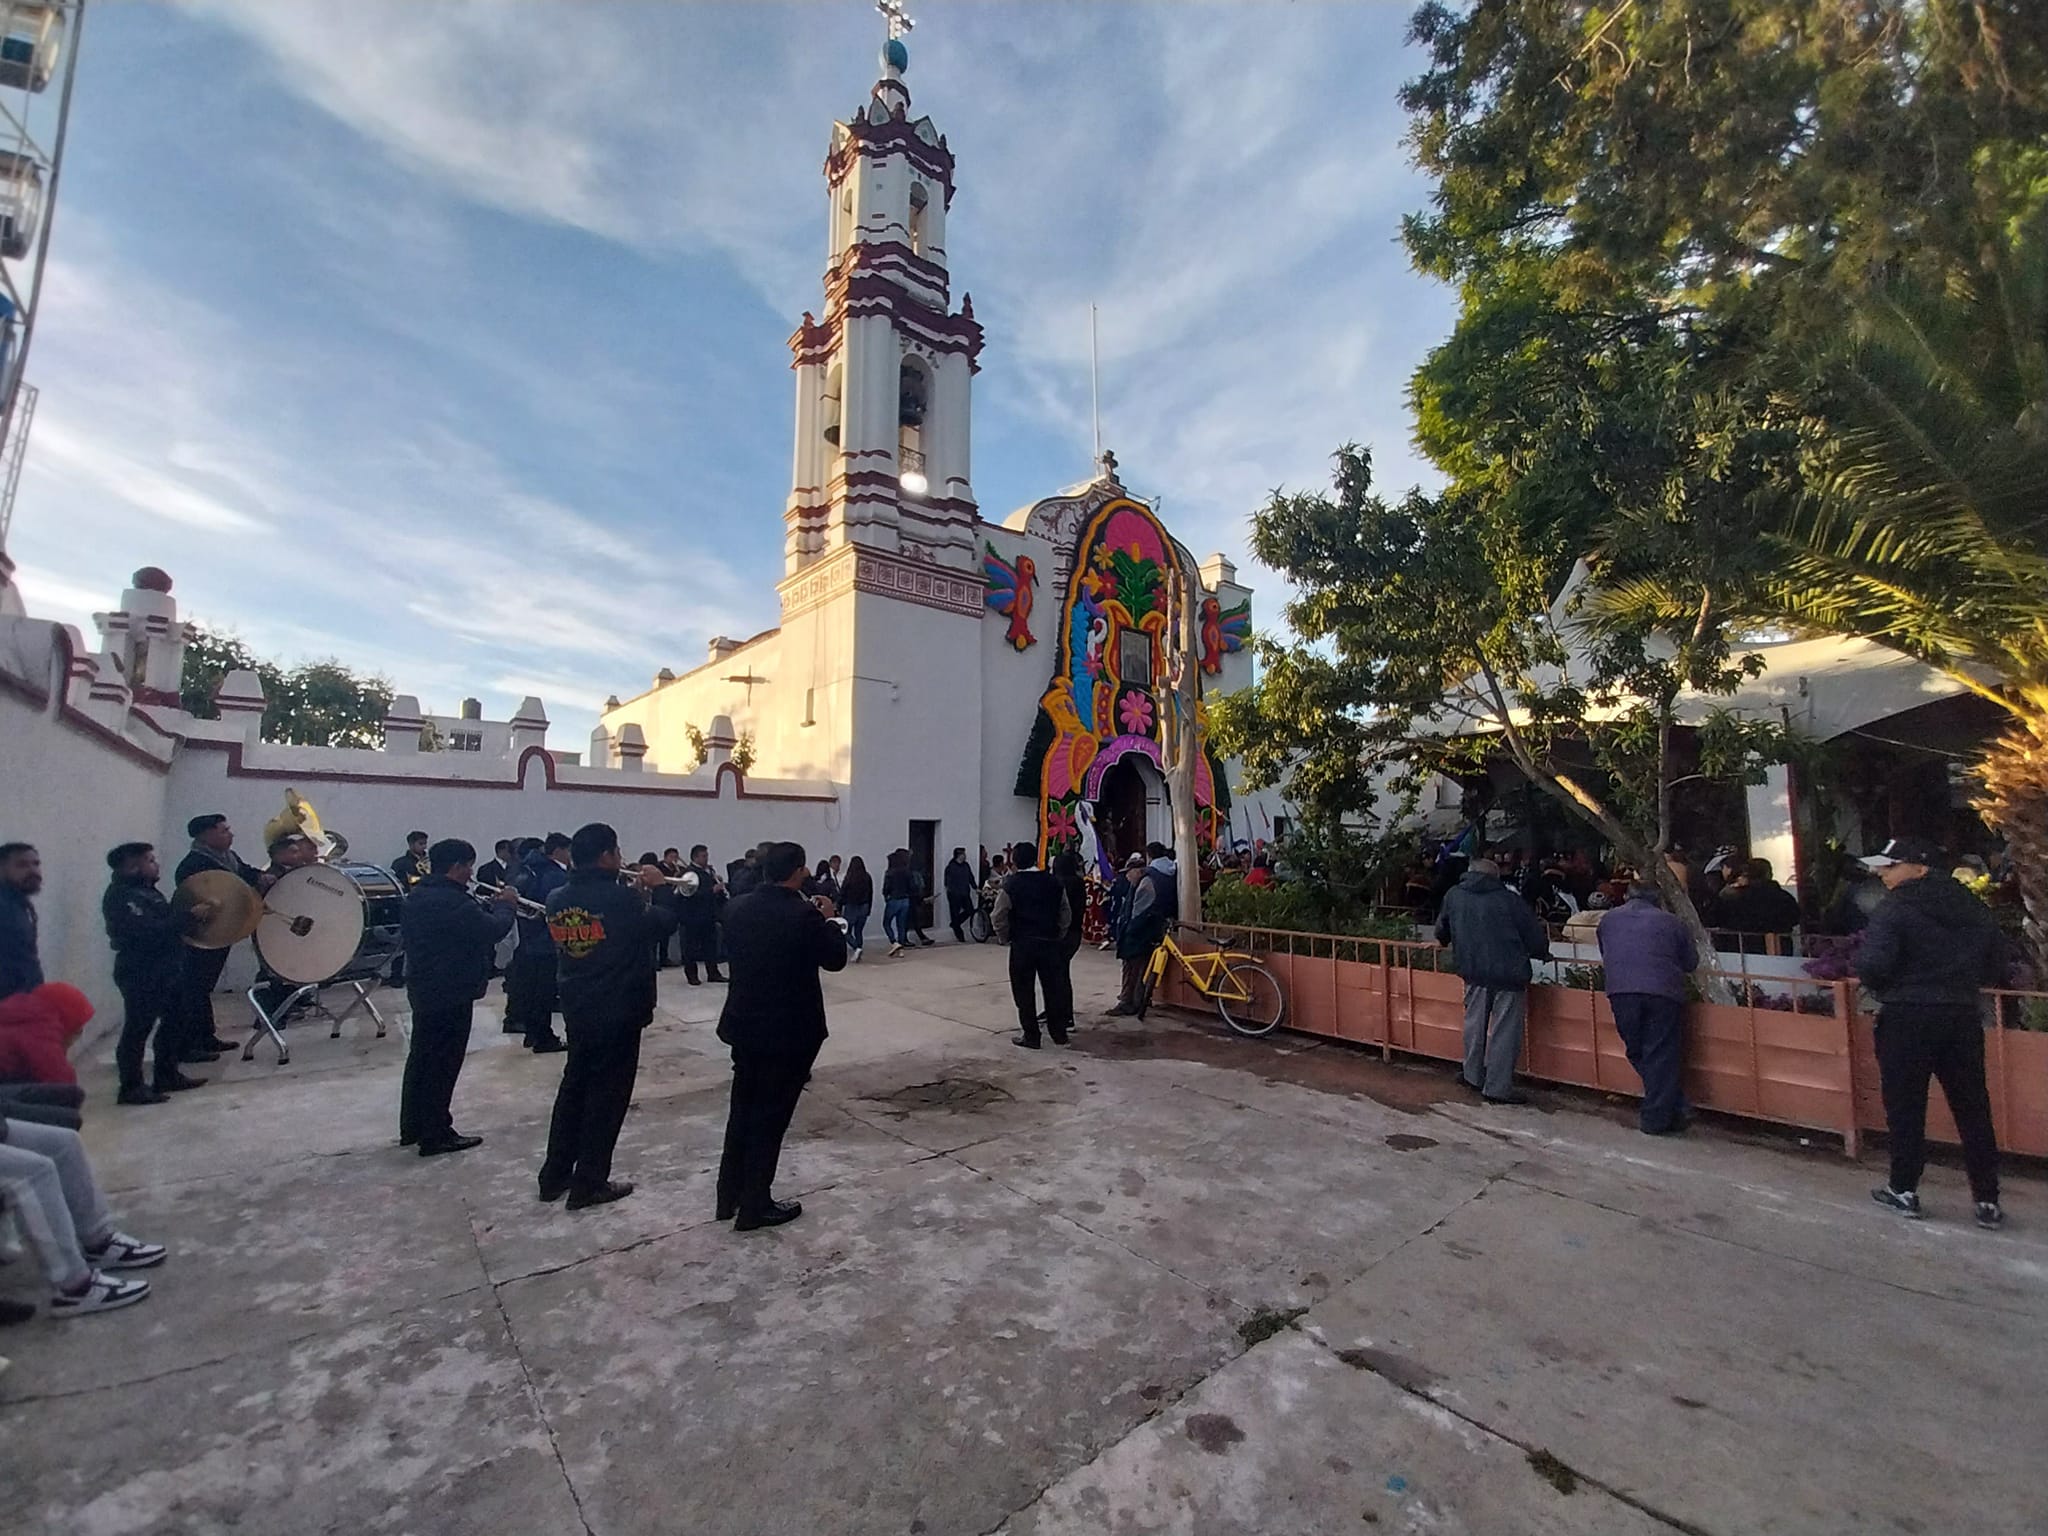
x=213 y=847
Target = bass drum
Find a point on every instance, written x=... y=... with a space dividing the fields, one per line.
x=331 y=922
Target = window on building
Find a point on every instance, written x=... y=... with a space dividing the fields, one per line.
x=829 y=407
x=465 y=741
x=917 y=217
x=1134 y=657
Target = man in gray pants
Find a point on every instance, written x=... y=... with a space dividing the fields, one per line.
x=1493 y=936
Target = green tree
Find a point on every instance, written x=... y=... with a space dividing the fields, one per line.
x=315 y=704
x=1428 y=644
x=1804 y=236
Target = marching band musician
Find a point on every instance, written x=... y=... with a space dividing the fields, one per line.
x=604 y=933
x=409 y=869
x=530 y=994
x=449 y=938
x=213 y=847
x=145 y=934
x=699 y=910
x=289 y=849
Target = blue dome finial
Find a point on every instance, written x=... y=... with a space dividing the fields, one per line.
x=895 y=55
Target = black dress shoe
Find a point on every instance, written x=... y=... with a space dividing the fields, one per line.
x=1468 y=1085
x=141 y=1095
x=714 y=976
x=1029 y=1042
x=218 y=1044
x=604 y=1194
x=550 y=1193
x=774 y=1215
x=513 y=1029
x=1512 y=1096
x=552 y=1043
x=408 y=1141
x=727 y=1209
x=196 y=1057
x=12 y=1311
x=449 y=1143
x=178 y=1082
x=1059 y=1036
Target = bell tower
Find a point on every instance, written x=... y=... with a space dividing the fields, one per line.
x=883 y=381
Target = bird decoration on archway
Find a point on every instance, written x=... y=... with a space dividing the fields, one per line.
x=1010 y=594
x=1223 y=630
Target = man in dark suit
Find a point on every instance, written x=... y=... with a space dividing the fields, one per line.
x=777 y=942
x=448 y=942
x=213 y=847
x=699 y=911
x=604 y=934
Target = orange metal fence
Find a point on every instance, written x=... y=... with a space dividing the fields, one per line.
x=1813 y=1066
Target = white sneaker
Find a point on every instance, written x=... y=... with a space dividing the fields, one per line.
x=857 y=954
x=125 y=1252
x=895 y=950
x=102 y=1293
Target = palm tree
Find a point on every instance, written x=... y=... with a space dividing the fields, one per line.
x=1921 y=516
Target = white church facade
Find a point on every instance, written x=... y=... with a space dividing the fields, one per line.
x=960 y=682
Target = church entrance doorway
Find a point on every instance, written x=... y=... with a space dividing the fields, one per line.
x=924 y=843
x=1133 y=798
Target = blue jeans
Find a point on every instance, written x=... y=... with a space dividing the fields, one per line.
x=856 y=925
x=896 y=920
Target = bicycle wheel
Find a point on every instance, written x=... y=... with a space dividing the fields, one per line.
x=1261 y=1005
x=977 y=925
x=1144 y=998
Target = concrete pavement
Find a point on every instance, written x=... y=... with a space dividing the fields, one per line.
x=1166 y=1281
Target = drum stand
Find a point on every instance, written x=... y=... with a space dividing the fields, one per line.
x=272 y=1024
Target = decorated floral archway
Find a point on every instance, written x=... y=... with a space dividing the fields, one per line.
x=1109 y=695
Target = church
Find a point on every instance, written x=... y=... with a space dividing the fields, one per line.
x=960 y=682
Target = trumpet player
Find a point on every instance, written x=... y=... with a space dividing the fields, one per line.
x=699 y=910
x=449 y=937
x=530 y=990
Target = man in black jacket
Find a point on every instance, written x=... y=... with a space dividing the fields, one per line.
x=21 y=876
x=1929 y=949
x=213 y=847
x=146 y=937
x=774 y=1020
x=1032 y=914
x=530 y=994
x=501 y=869
x=960 y=889
x=1493 y=936
x=699 y=913
x=1754 y=909
x=604 y=934
x=449 y=938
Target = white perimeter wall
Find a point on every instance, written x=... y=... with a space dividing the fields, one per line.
x=73 y=794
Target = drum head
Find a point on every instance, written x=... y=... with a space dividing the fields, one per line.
x=324 y=903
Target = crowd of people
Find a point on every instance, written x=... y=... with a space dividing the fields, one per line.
x=1929 y=947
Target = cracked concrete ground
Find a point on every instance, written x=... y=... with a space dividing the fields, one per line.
x=1020 y=1300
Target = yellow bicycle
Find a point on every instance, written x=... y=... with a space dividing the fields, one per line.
x=1245 y=993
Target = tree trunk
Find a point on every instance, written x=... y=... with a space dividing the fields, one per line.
x=2014 y=802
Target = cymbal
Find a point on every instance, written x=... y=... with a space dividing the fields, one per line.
x=237 y=908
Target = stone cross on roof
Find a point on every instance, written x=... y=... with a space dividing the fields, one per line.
x=899 y=19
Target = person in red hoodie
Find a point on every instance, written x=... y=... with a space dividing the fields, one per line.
x=36 y=1031
x=37 y=1081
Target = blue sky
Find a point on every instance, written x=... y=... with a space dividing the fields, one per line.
x=449 y=338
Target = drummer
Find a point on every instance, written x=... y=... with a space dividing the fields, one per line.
x=289 y=850
x=410 y=868
x=144 y=932
x=213 y=847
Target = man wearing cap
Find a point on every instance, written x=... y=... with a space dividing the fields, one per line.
x=213 y=847
x=1930 y=947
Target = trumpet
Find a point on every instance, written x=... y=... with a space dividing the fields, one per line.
x=686 y=882
x=487 y=895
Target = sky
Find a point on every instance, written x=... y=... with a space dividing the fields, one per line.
x=450 y=339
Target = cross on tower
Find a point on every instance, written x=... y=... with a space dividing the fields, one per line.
x=899 y=19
